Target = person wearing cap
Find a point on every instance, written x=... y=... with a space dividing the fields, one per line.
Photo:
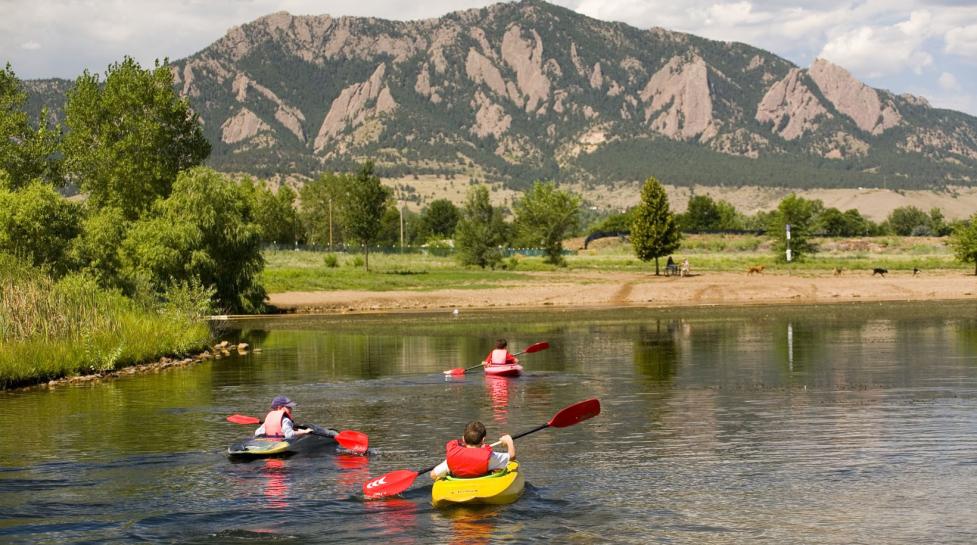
x=278 y=422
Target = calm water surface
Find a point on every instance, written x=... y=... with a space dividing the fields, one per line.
x=840 y=424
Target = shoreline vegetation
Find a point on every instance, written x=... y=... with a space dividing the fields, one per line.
x=52 y=329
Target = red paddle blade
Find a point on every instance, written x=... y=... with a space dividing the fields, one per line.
x=354 y=441
x=241 y=419
x=578 y=412
x=536 y=347
x=455 y=371
x=391 y=484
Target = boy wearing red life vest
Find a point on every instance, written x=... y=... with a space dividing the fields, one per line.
x=501 y=355
x=278 y=422
x=468 y=458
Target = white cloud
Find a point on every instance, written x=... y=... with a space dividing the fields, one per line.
x=962 y=41
x=883 y=50
x=948 y=82
x=30 y=45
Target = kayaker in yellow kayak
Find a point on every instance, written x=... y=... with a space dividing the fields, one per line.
x=468 y=458
x=278 y=422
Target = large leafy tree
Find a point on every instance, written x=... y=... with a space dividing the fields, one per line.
x=366 y=200
x=964 y=241
x=275 y=212
x=130 y=136
x=439 y=219
x=909 y=220
x=319 y=208
x=38 y=223
x=205 y=232
x=545 y=215
x=654 y=231
x=26 y=152
x=801 y=214
x=481 y=231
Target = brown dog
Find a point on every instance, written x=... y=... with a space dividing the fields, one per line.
x=756 y=269
x=838 y=271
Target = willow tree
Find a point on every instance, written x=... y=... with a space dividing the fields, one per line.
x=964 y=241
x=654 y=231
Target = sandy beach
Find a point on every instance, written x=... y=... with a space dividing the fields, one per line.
x=596 y=289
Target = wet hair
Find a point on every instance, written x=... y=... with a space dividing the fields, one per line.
x=501 y=343
x=474 y=433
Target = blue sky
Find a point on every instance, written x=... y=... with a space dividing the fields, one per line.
x=923 y=47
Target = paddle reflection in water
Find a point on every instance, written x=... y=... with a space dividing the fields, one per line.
x=398 y=520
x=275 y=473
x=471 y=526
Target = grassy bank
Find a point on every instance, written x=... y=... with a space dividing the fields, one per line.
x=289 y=270
x=51 y=329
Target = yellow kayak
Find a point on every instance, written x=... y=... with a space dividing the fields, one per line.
x=498 y=488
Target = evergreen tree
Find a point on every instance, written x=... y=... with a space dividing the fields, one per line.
x=440 y=219
x=481 y=230
x=654 y=231
x=366 y=201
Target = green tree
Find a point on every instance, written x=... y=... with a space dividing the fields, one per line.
x=366 y=201
x=319 y=209
x=38 y=224
x=96 y=249
x=964 y=242
x=903 y=221
x=129 y=137
x=938 y=224
x=701 y=215
x=481 y=230
x=275 y=212
x=801 y=214
x=26 y=152
x=654 y=231
x=850 y=223
x=205 y=232
x=439 y=219
x=545 y=215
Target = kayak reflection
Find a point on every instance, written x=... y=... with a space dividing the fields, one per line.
x=472 y=525
x=498 y=390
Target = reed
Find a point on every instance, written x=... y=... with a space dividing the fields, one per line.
x=55 y=328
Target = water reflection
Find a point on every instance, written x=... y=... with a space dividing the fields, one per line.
x=275 y=474
x=498 y=389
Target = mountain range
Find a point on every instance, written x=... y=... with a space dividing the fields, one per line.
x=516 y=92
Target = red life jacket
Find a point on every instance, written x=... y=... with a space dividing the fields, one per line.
x=273 y=422
x=500 y=356
x=465 y=462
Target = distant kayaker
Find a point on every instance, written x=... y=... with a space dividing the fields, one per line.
x=468 y=458
x=278 y=422
x=501 y=355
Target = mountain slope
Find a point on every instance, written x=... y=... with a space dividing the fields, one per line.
x=528 y=90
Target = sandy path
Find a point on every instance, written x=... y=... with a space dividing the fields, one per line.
x=586 y=289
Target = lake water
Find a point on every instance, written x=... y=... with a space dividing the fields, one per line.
x=840 y=424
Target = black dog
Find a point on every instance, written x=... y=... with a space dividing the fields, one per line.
x=879 y=271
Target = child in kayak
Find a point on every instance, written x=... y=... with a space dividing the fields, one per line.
x=278 y=422
x=501 y=355
x=468 y=458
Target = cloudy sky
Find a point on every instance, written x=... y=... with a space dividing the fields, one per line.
x=924 y=47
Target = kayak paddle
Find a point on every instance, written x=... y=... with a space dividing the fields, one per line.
x=529 y=350
x=351 y=440
x=395 y=482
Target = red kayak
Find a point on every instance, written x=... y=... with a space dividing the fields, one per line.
x=503 y=369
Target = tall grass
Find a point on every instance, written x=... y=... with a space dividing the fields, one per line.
x=55 y=328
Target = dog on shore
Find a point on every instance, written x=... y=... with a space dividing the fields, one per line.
x=879 y=271
x=916 y=271
x=838 y=271
x=756 y=269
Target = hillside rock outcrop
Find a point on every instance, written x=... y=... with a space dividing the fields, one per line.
x=791 y=107
x=679 y=104
x=853 y=98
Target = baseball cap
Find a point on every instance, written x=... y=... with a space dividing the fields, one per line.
x=282 y=401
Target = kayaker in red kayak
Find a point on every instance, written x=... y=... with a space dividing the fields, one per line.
x=468 y=458
x=278 y=422
x=501 y=355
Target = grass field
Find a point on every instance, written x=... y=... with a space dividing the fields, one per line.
x=289 y=270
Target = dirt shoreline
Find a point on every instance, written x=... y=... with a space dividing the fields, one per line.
x=602 y=289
